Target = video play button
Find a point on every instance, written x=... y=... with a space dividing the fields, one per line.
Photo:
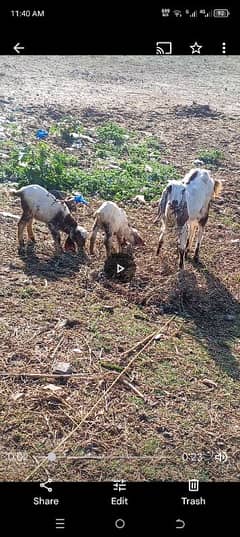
x=120 y=267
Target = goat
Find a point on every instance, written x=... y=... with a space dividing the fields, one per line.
x=113 y=221
x=185 y=205
x=37 y=203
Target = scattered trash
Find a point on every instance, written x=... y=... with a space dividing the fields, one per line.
x=140 y=198
x=9 y=215
x=148 y=168
x=41 y=134
x=112 y=167
x=234 y=241
x=87 y=138
x=62 y=367
x=77 y=351
x=76 y=145
x=78 y=198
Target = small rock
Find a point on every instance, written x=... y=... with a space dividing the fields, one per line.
x=148 y=168
x=62 y=368
x=234 y=241
x=68 y=323
x=110 y=309
x=139 y=198
x=157 y=337
x=53 y=387
x=198 y=162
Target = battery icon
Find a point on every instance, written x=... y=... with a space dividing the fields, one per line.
x=223 y=13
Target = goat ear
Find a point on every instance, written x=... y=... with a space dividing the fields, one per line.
x=169 y=189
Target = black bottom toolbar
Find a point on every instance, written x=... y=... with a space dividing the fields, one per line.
x=119 y=508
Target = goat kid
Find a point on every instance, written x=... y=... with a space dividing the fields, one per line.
x=185 y=206
x=113 y=221
x=37 y=203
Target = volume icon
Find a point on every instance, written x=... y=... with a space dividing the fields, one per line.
x=224 y=48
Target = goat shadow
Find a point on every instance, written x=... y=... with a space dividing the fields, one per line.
x=215 y=313
x=54 y=268
x=211 y=307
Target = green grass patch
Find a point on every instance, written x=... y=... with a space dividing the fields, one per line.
x=119 y=166
x=211 y=156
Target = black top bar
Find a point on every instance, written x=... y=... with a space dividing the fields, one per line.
x=63 y=31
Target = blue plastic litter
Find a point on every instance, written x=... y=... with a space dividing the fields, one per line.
x=80 y=199
x=41 y=134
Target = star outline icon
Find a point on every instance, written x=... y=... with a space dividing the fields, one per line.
x=196 y=48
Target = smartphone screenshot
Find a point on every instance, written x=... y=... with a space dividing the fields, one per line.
x=120 y=281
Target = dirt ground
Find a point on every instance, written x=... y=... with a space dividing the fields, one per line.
x=177 y=406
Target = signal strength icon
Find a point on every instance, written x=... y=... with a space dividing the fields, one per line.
x=194 y=14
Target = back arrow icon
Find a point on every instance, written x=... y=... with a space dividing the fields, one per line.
x=17 y=48
x=180 y=524
x=119 y=268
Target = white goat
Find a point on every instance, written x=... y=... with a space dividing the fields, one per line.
x=37 y=203
x=185 y=205
x=113 y=221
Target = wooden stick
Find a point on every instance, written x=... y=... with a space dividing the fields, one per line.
x=129 y=385
x=146 y=339
x=58 y=345
x=45 y=375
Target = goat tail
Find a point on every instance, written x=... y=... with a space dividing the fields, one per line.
x=217 y=188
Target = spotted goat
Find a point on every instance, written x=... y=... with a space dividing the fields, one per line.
x=184 y=205
x=39 y=204
x=113 y=221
